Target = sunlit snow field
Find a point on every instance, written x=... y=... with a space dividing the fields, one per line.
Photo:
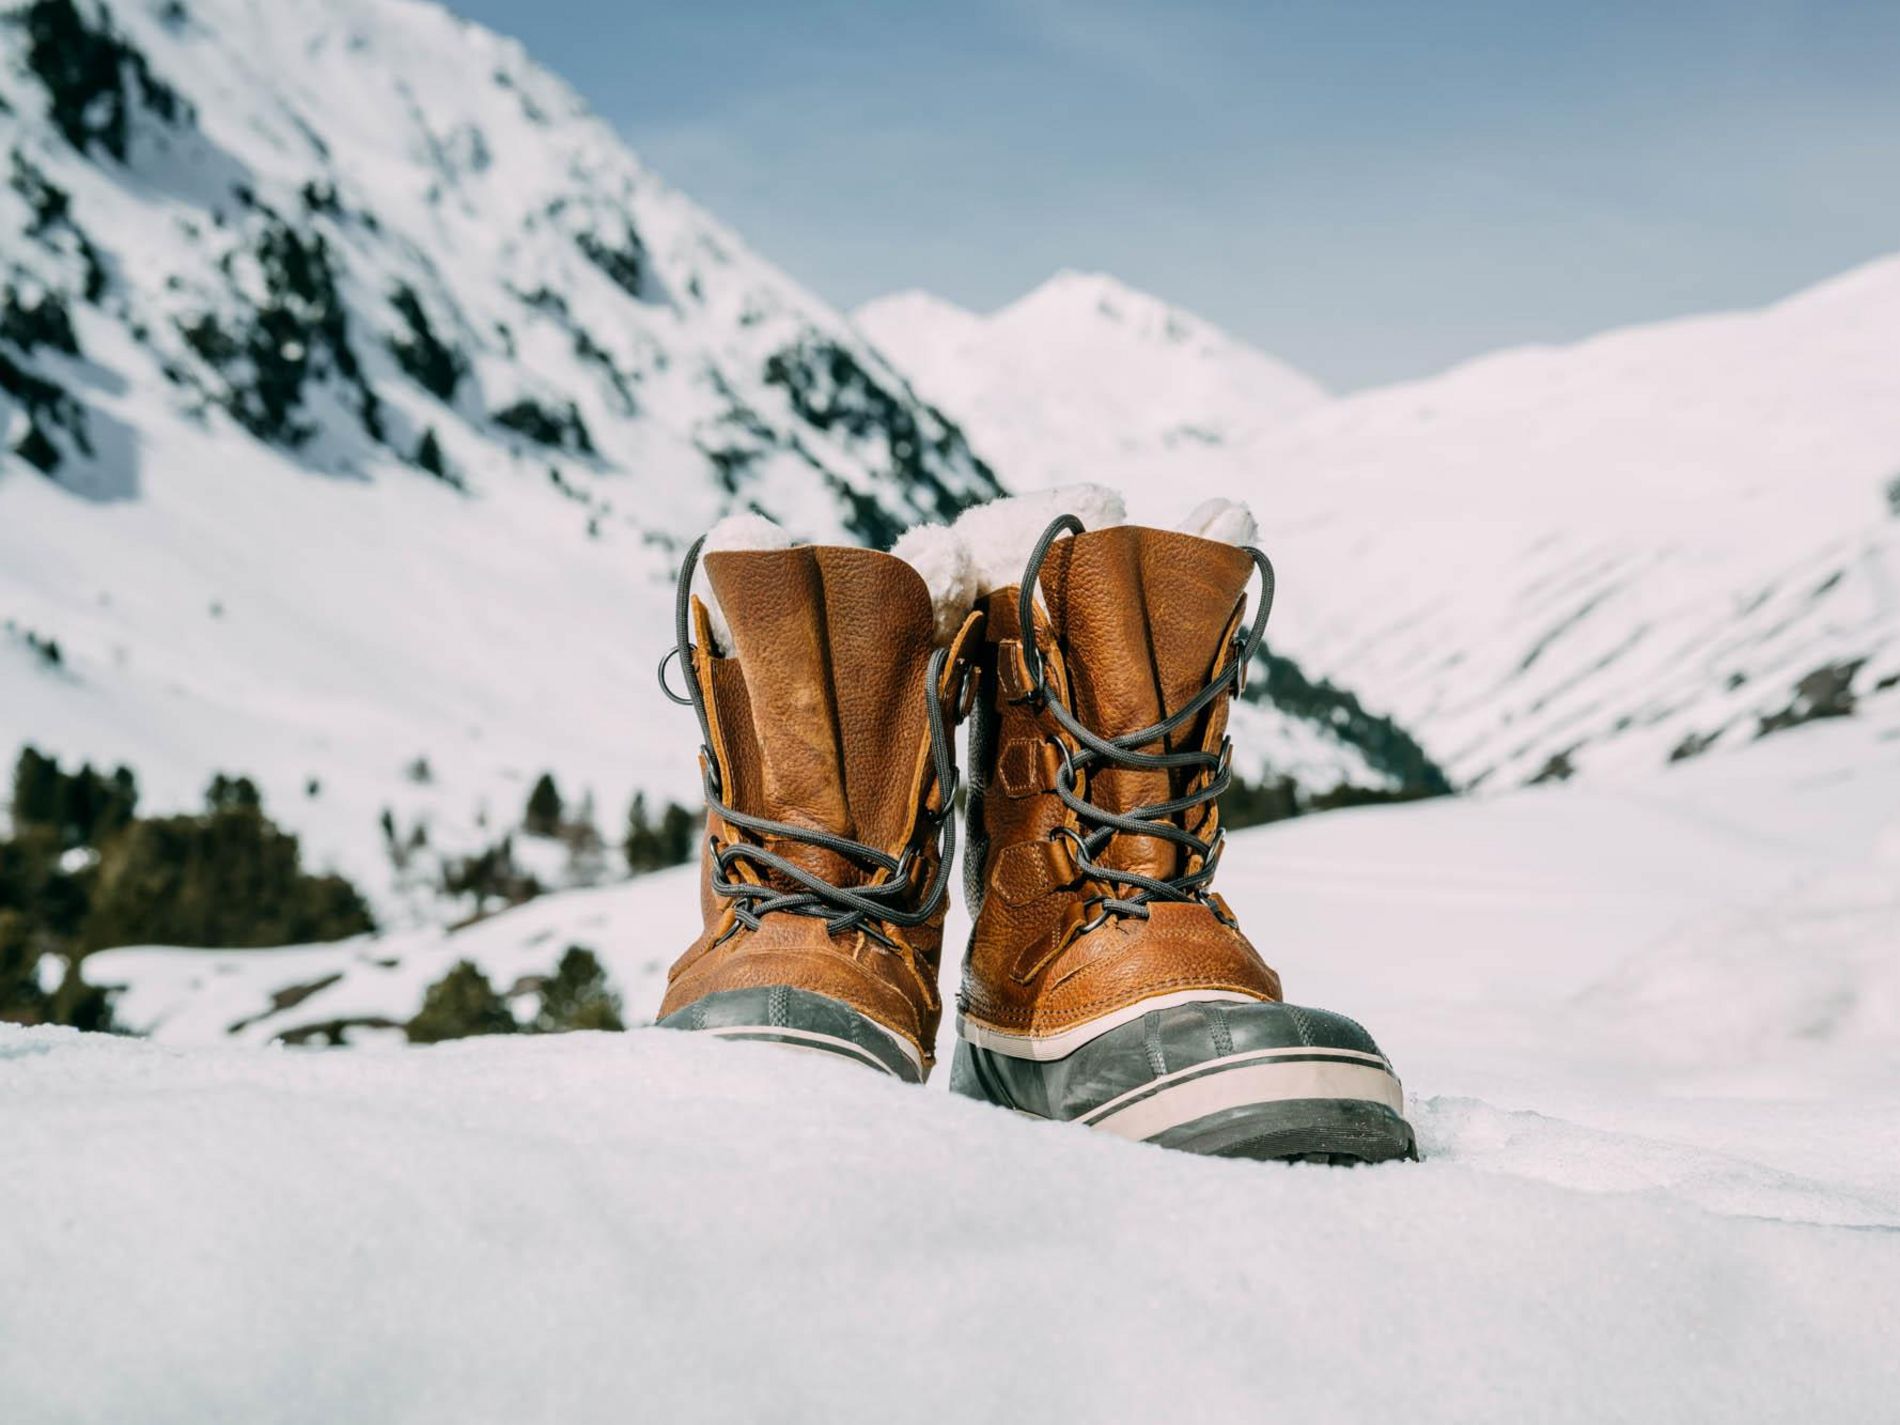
x=1648 y=1033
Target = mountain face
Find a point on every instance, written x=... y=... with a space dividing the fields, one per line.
x=346 y=227
x=359 y=393
x=1615 y=554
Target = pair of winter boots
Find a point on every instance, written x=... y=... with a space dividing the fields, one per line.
x=1106 y=982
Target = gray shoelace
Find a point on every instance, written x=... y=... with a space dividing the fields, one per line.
x=866 y=907
x=1156 y=819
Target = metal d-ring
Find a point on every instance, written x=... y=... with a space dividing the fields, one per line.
x=683 y=699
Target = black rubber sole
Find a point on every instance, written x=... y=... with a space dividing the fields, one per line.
x=1339 y=1132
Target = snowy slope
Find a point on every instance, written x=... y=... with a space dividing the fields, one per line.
x=328 y=231
x=1545 y=559
x=1648 y=1030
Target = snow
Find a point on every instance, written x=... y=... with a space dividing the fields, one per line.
x=1595 y=553
x=1649 y=1019
x=570 y=1231
x=1657 y=1185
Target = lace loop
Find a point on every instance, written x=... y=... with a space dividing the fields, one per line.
x=1208 y=773
x=870 y=907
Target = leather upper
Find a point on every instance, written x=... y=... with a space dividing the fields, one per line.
x=1131 y=624
x=818 y=719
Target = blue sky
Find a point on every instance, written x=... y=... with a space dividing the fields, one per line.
x=1372 y=189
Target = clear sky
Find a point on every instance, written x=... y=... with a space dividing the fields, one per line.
x=1371 y=189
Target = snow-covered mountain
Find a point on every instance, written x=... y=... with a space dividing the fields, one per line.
x=1085 y=371
x=1639 y=547
x=359 y=392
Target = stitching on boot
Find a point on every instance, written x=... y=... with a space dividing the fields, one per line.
x=1301 y=1024
x=1012 y=672
x=776 y=1005
x=1025 y=768
x=1217 y=1022
x=1157 y=1060
x=1026 y=1016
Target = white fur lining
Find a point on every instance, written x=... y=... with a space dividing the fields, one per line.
x=1001 y=534
x=983 y=551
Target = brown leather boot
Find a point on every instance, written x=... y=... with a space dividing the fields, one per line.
x=829 y=771
x=1106 y=982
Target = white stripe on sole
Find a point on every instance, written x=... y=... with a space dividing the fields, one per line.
x=808 y=1039
x=1209 y=1066
x=1262 y=1081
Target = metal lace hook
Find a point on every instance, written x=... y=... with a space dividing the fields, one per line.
x=683 y=699
x=1026 y=598
x=1247 y=644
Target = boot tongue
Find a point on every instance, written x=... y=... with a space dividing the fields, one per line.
x=1140 y=615
x=832 y=646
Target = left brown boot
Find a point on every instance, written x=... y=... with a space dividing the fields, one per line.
x=830 y=772
x=1106 y=982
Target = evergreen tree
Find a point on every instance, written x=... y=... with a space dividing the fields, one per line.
x=641 y=843
x=543 y=817
x=34 y=881
x=233 y=794
x=21 y=999
x=578 y=996
x=429 y=455
x=670 y=842
x=679 y=834
x=228 y=878
x=36 y=789
x=460 y=1004
x=81 y=808
x=489 y=875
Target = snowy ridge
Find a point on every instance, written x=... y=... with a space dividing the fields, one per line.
x=1544 y=560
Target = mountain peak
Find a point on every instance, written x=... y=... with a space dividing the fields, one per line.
x=1089 y=366
x=1100 y=295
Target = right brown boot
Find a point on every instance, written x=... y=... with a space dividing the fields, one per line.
x=827 y=723
x=1106 y=983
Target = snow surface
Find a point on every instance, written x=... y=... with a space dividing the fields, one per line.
x=1650 y=1034
x=1593 y=553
